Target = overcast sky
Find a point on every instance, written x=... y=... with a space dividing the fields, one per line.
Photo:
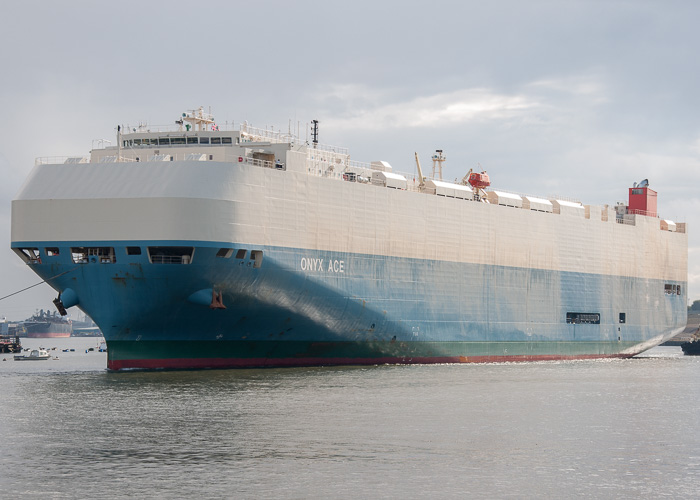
x=575 y=98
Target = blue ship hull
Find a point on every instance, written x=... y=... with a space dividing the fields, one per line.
x=302 y=307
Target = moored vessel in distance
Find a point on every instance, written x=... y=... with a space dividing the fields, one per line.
x=45 y=324
x=85 y=327
x=34 y=355
x=198 y=247
x=692 y=346
x=9 y=337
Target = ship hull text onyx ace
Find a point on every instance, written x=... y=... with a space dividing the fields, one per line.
x=198 y=248
x=317 y=265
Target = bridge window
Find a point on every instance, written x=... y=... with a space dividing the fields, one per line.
x=51 y=251
x=133 y=250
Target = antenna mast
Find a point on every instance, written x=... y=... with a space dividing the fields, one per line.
x=198 y=118
x=314 y=132
x=119 y=143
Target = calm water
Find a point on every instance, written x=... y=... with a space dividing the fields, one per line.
x=615 y=428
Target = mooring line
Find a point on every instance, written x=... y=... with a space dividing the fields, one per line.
x=37 y=284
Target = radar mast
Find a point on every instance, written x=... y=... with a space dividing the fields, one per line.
x=199 y=119
x=438 y=158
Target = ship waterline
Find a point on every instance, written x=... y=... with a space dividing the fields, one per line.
x=276 y=354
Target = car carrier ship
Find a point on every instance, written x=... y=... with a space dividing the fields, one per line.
x=193 y=246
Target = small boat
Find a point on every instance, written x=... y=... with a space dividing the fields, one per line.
x=34 y=355
x=692 y=347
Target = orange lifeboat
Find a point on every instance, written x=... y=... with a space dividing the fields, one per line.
x=479 y=181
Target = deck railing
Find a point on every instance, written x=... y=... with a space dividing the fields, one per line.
x=170 y=259
x=323 y=161
x=266 y=135
x=53 y=160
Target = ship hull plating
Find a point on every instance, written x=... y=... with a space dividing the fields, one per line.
x=302 y=308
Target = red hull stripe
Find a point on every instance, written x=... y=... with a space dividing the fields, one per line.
x=198 y=363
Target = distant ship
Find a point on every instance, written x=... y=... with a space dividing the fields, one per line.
x=85 y=327
x=691 y=348
x=47 y=325
x=197 y=247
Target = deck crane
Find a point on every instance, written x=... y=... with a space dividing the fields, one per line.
x=421 y=182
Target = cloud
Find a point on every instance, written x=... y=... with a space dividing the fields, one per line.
x=551 y=100
x=588 y=86
x=365 y=109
